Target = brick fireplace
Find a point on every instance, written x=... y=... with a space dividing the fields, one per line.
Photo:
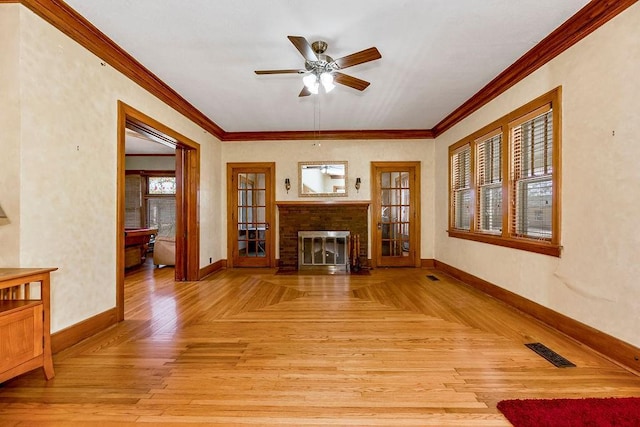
x=320 y=216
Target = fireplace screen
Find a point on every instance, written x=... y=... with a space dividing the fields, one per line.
x=323 y=249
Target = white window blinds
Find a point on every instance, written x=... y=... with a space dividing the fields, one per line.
x=532 y=175
x=489 y=182
x=132 y=201
x=461 y=188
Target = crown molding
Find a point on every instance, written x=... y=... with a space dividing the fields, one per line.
x=328 y=135
x=595 y=14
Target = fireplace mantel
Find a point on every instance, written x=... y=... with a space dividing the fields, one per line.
x=323 y=203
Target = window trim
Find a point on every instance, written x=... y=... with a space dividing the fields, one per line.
x=506 y=238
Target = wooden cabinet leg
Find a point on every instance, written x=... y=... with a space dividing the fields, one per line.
x=47 y=366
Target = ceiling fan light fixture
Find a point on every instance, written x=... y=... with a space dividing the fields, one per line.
x=321 y=69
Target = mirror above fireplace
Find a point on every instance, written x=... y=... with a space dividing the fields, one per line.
x=322 y=179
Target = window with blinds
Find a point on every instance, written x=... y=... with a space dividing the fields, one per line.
x=132 y=201
x=161 y=214
x=489 y=182
x=160 y=202
x=532 y=176
x=505 y=180
x=461 y=188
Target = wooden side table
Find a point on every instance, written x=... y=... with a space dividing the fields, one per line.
x=25 y=340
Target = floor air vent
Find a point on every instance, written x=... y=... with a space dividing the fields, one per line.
x=550 y=355
x=432 y=278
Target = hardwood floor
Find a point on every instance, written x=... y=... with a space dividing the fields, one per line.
x=251 y=347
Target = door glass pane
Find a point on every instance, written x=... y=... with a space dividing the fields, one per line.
x=395 y=199
x=242 y=215
x=395 y=179
x=260 y=212
x=394 y=213
x=251 y=215
x=385 y=180
x=405 y=247
x=404 y=214
x=386 y=197
x=395 y=250
x=260 y=252
x=386 y=247
x=404 y=197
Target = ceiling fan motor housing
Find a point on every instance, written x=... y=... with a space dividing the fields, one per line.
x=319 y=47
x=324 y=64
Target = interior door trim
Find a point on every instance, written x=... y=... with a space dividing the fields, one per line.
x=376 y=203
x=232 y=168
x=187 y=207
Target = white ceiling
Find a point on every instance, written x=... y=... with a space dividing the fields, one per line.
x=436 y=54
x=138 y=144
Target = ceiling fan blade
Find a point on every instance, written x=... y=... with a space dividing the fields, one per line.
x=361 y=57
x=304 y=47
x=304 y=92
x=350 y=81
x=279 y=71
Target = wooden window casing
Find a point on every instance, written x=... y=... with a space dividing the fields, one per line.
x=507 y=192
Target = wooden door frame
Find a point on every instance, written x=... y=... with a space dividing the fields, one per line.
x=187 y=206
x=415 y=238
x=269 y=214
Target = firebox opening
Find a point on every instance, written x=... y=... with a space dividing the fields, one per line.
x=323 y=250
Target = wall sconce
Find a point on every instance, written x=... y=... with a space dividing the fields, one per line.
x=287 y=184
x=358 y=182
x=2 y=214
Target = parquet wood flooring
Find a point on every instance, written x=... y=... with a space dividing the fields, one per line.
x=251 y=347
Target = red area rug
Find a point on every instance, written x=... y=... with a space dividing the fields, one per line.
x=606 y=412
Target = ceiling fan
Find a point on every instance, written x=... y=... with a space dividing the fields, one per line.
x=321 y=69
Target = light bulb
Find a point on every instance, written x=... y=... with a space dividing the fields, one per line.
x=309 y=80
x=327 y=82
x=314 y=87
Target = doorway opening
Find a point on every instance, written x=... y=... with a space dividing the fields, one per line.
x=186 y=180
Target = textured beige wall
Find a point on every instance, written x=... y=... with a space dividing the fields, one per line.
x=596 y=279
x=68 y=116
x=358 y=154
x=9 y=135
